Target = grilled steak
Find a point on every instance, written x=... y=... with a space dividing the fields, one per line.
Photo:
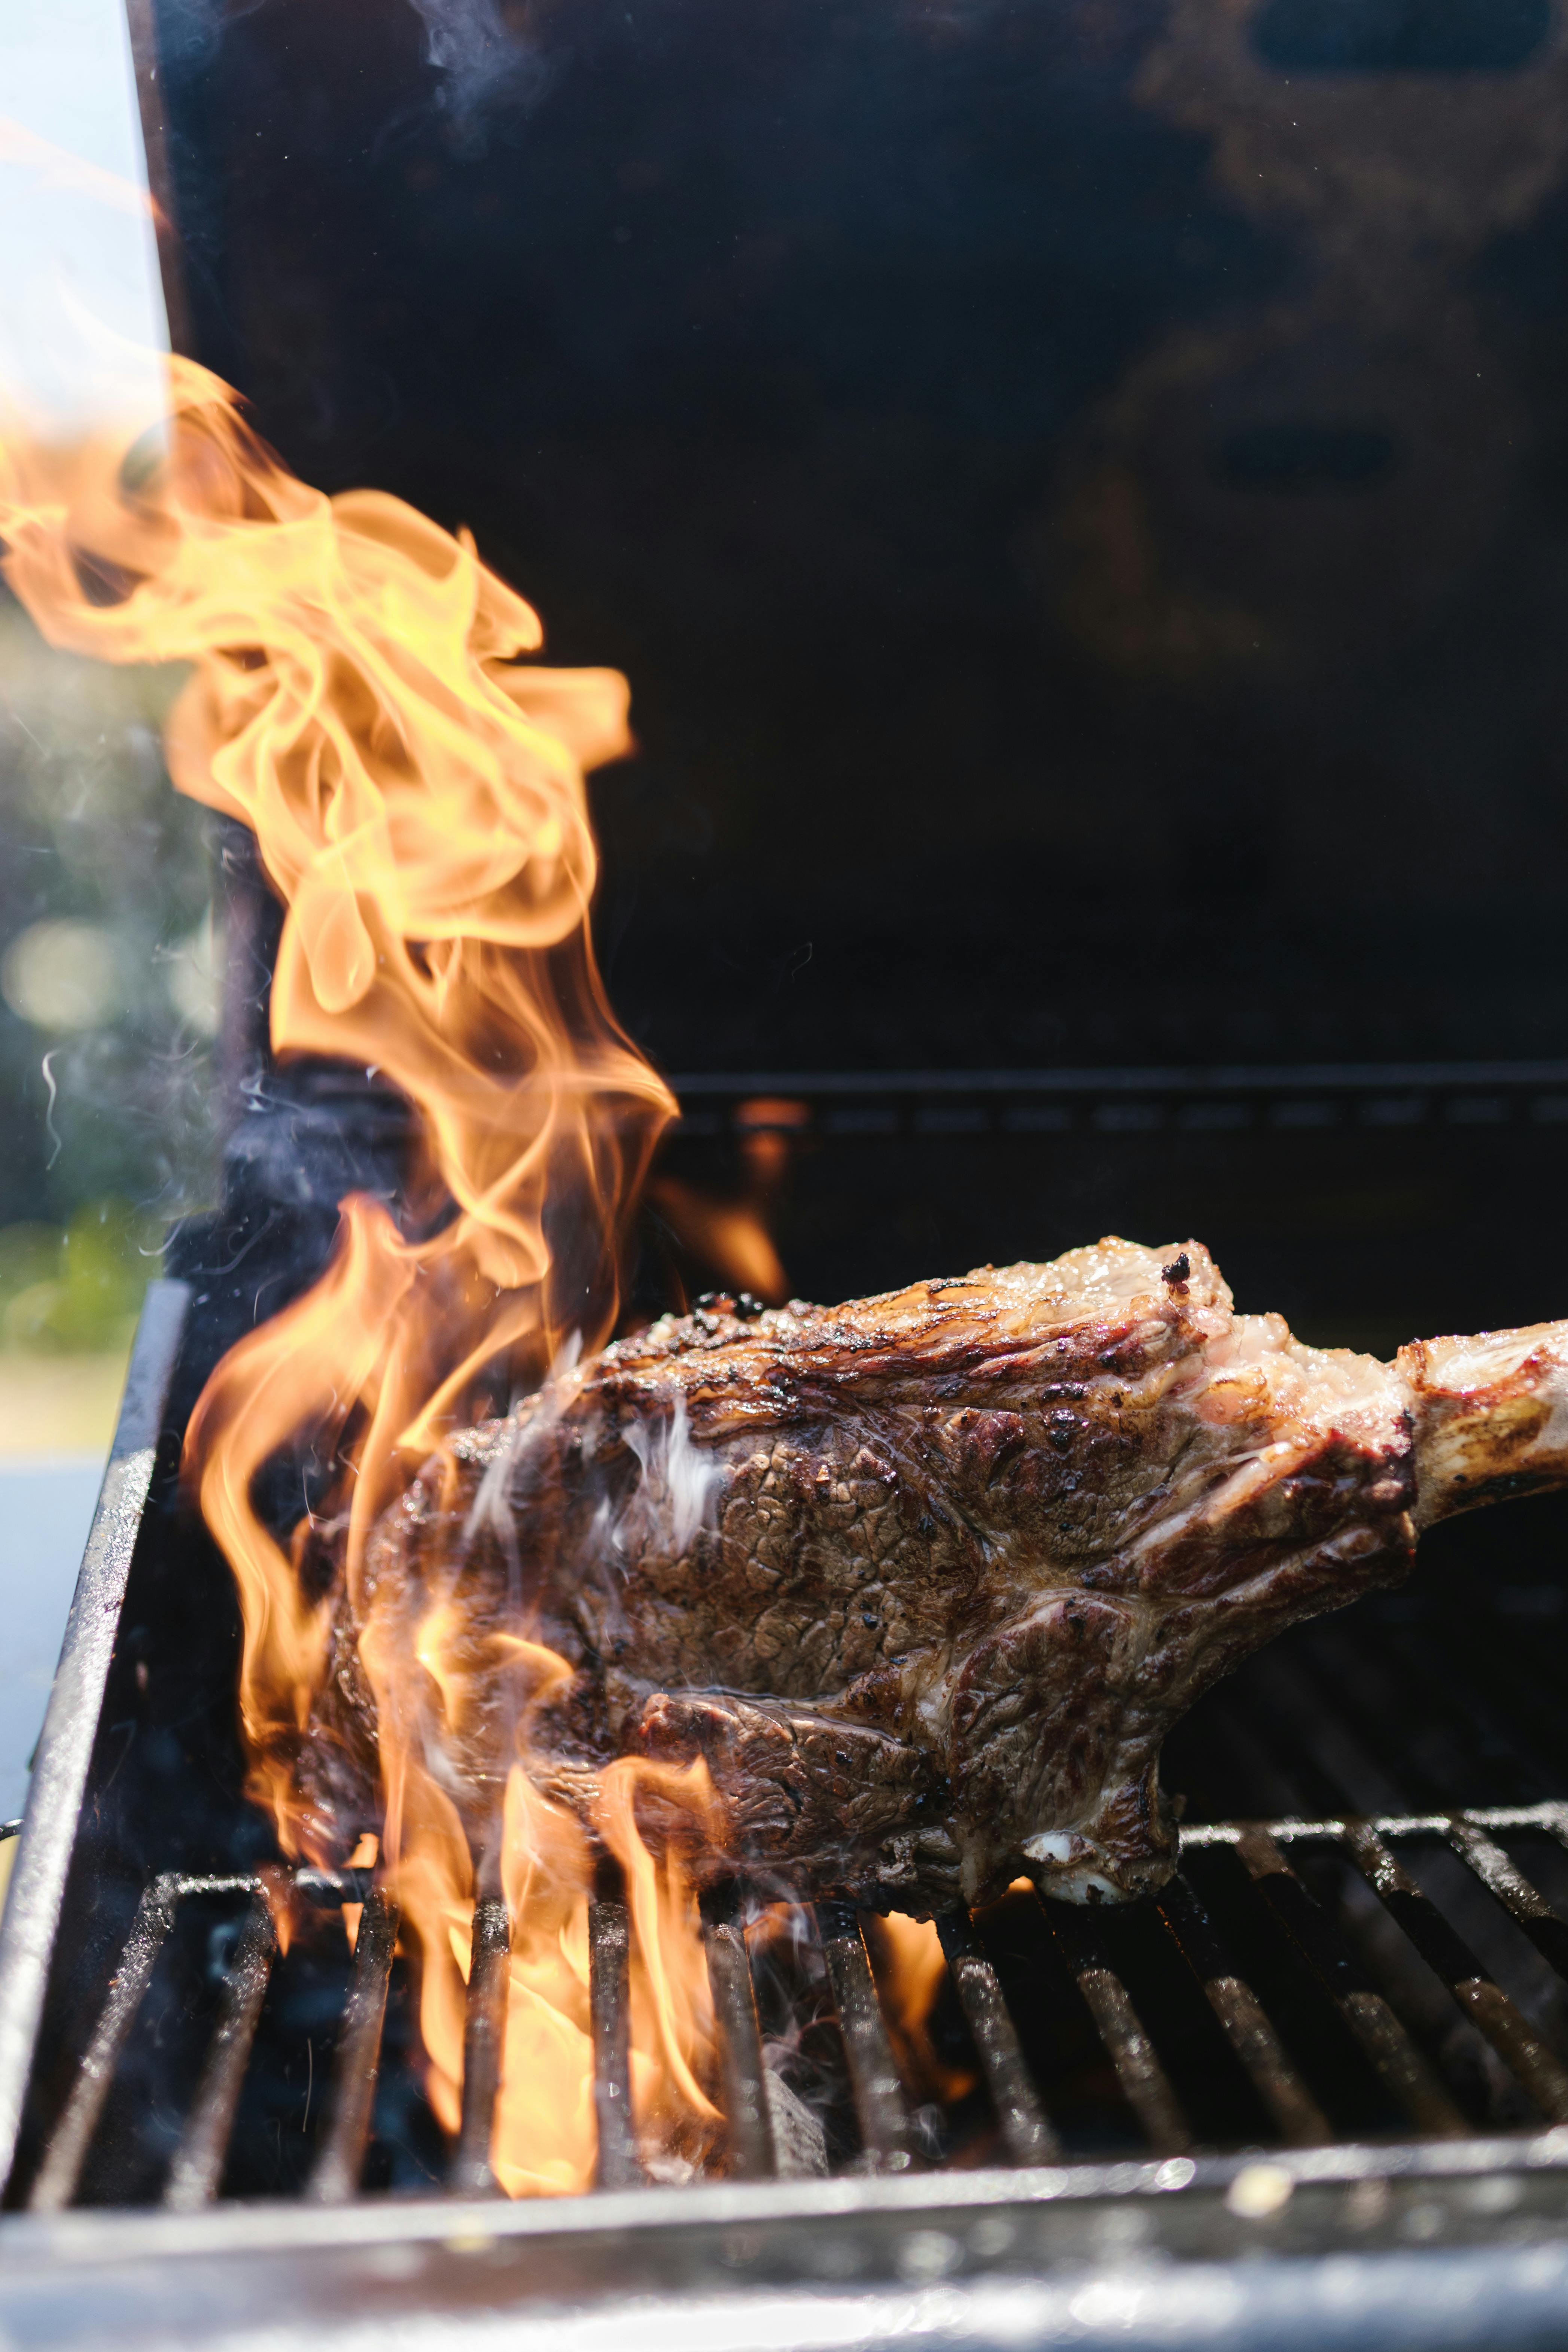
x=925 y=1577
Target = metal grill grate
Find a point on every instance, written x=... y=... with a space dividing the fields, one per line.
x=1342 y=2031
x=1280 y=1917
x=1377 y=1974
x=1218 y=1100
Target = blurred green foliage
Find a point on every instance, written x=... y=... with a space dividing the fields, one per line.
x=108 y=966
x=76 y=1290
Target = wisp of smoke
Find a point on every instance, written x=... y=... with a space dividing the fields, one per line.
x=482 y=59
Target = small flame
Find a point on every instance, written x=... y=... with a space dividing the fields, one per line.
x=363 y=1858
x=733 y=1238
x=56 y=167
x=359 y=699
x=729 y=1238
x=673 y=1989
x=910 y=1970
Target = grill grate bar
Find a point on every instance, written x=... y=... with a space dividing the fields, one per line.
x=66 y=2152
x=748 y=2122
x=338 y=2167
x=1503 y=1878
x=1413 y=2082
x=1144 y=2080
x=873 y=2071
x=198 y=2163
x=609 y=2003
x=484 y=2041
x=1243 y=2019
x=1325 y=1830
x=1447 y=1954
x=1025 y=2133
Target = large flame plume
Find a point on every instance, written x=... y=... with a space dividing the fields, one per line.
x=358 y=698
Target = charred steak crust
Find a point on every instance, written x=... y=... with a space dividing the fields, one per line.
x=926 y=1578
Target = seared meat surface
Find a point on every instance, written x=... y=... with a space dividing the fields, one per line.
x=925 y=1577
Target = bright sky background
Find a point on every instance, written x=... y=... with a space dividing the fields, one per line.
x=67 y=257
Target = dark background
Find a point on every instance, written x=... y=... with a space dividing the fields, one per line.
x=1079 y=493
x=1079 y=490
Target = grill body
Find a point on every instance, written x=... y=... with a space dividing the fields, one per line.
x=1318 y=2092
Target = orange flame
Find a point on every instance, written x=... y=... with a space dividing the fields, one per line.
x=672 y=1991
x=733 y=1239
x=416 y=789
x=910 y=1970
x=56 y=167
x=730 y=1237
x=363 y=1858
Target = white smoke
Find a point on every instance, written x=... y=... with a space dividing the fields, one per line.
x=483 y=59
x=493 y=1505
x=677 y=1482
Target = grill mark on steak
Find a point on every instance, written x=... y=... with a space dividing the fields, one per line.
x=926 y=1578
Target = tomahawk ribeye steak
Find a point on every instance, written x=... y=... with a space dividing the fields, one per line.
x=928 y=1577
